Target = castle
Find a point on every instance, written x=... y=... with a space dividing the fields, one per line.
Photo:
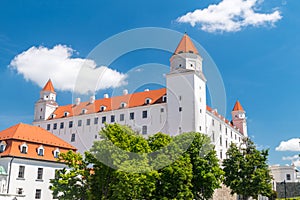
x=180 y=107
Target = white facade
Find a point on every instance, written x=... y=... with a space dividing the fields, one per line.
x=284 y=173
x=183 y=110
x=25 y=185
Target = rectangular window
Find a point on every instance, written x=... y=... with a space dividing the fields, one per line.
x=70 y=124
x=226 y=143
x=226 y=130
x=61 y=125
x=288 y=177
x=231 y=134
x=213 y=136
x=121 y=117
x=48 y=127
x=40 y=174
x=103 y=119
x=38 y=193
x=19 y=190
x=145 y=114
x=96 y=119
x=144 y=130
x=221 y=155
x=80 y=122
x=162 y=110
x=54 y=126
x=180 y=109
x=112 y=118
x=220 y=140
x=213 y=122
x=88 y=122
x=40 y=151
x=220 y=127
x=21 y=171
x=73 y=137
x=131 y=115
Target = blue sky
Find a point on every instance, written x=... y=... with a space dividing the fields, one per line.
x=257 y=55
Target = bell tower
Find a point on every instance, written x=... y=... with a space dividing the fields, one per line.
x=186 y=89
x=239 y=118
x=46 y=105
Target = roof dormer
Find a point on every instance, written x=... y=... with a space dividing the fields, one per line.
x=102 y=108
x=24 y=148
x=148 y=101
x=40 y=150
x=66 y=114
x=123 y=105
x=3 y=145
x=56 y=153
x=84 y=111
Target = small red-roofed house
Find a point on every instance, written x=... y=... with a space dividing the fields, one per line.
x=28 y=160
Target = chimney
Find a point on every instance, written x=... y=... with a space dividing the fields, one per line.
x=92 y=99
x=77 y=101
x=105 y=96
x=125 y=92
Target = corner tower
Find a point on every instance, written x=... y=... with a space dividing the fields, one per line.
x=46 y=105
x=186 y=90
x=239 y=118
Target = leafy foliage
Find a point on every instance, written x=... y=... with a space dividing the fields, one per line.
x=246 y=170
x=125 y=165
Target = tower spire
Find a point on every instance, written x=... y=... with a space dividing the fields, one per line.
x=49 y=87
x=238 y=106
x=186 y=46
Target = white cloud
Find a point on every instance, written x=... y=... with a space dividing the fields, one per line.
x=230 y=16
x=294 y=157
x=290 y=145
x=38 y=64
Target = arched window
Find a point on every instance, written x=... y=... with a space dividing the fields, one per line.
x=56 y=153
x=66 y=114
x=83 y=111
x=40 y=150
x=148 y=101
x=24 y=148
x=123 y=105
x=102 y=108
x=2 y=146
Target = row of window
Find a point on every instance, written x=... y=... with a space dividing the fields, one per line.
x=40 y=150
x=21 y=173
x=38 y=193
x=96 y=120
x=144 y=132
x=221 y=139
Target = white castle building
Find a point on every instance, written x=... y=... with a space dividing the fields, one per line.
x=180 y=107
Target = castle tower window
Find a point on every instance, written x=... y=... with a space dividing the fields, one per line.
x=2 y=146
x=148 y=101
x=102 y=108
x=40 y=151
x=24 y=148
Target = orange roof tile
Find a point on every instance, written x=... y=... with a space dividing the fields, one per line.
x=186 y=45
x=49 y=86
x=34 y=137
x=113 y=103
x=237 y=107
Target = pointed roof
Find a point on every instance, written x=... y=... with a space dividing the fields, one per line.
x=34 y=134
x=186 y=46
x=238 y=107
x=49 y=86
x=34 y=137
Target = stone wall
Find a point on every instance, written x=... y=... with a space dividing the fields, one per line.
x=223 y=193
x=292 y=189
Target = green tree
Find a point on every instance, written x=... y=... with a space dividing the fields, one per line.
x=71 y=183
x=246 y=170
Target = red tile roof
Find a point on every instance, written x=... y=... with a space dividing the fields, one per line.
x=34 y=137
x=49 y=86
x=113 y=103
x=186 y=45
x=238 y=107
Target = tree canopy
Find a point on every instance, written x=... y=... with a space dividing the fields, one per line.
x=125 y=165
x=246 y=170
